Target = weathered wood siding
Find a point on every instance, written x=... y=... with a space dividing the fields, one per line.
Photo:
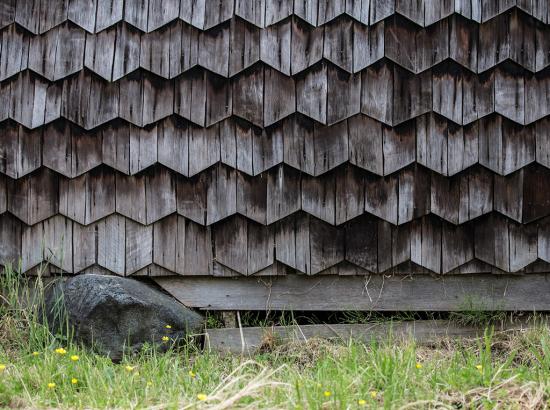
x=248 y=137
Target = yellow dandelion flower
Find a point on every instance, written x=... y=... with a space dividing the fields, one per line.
x=129 y=368
x=327 y=393
x=168 y=327
x=362 y=402
x=192 y=374
x=2 y=367
x=373 y=394
x=35 y=353
x=165 y=339
x=479 y=367
x=51 y=385
x=75 y=358
x=202 y=396
x=419 y=365
x=74 y=380
x=60 y=351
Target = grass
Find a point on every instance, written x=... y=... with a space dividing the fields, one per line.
x=503 y=370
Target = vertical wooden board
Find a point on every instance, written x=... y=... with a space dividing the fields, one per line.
x=194 y=12
x=261 y=246
x=267 y=148
x=100 y=201
x=542 y=135
x=400 y=42
x=217 y=13
x=31 y=246
x=204 y=148
x=166 y=242
x=543 y=240
x=477 y=198
x=331 y=146
x=186 y=49
x=28 y=100
x=58 y=242
x=160 y=193
x=518 y=146
x=431 y=143
x=230 y=243
x=381 y=197
x=252 y=197
x=221 y=197
x=377 y=92
x=343 y=95
x=338 y=44
x=537 y=99
x=191 y=196
x=350 y=193
x=307 y=10
x=523 y=245
x=244 y=136
x=70 y=57
x=7 y=13
x=42 y=51
x=380 y=9
x=330 y=9
x=508 y=194
x=384 y=246
x=108 y=13
x=219 y=99
x=307 y=45
x=492 y=241
x=462 y=148
x=311 y=93
x=319 y=197
x=359 y=10
x=412 y=94
x=160 y=13
x=365 y=143
x=432 y=45
x=72 y=198
x=244 y=46
x=248 y=96
x=83 y=13
x=276 y=11
x=326 y=244
x=84 y=247
x=116 y=146
x=10 y=240
x=431 y=244
x=536 y=198
x=34 y=197
x=478 y=96
x=155 y=52
x=21 y=151
x=401 y=244
x=463 y=41
x=190 y=96
x=368 y=45
x=173 y=145
x=438 y=10
x=142 y=148
x=542 y=42
x=283 y=193
x=158 y=99
x=214 y=49
x=27 y=14
x=275 y=44
x=252 y=11
x=279 y=96
x=85 y=150
x=54 y=14
x=136 y=12
x=138 y=247
x=3 y=194
x=447 y=93
x=285 y=241
x=510 y=95
x=413 y=10
x=102 y=105
x=198 y=250
x=522 y=41
x=445 y=197
x=131 y=98
x=457 y=246
x=399 y=147
x=126 y=54
x=57 y=151
x=14 y=55
x=298 y=143
x=130 y=197
x=414 y=197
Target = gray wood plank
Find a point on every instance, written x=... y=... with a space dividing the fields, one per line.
x=139 y=246
x=136 y=12
x=311 y=93
x=362 y=243
x=20 y=151
x=394 y=293
x=377 y=92
x=14 y=53
x=279 y=96
x=214 y=50
x=319 y=197
x=143 y=148
x=399 y=147
x=252 y=11
x=343 y=95
x=186 y=49
x=83 y=13
x=204 y=148
x=173 y=145
x=368 y=45
x=160 y=13
x=330 y=146
x=130 y=197
x=221 y=197
x=109 y=12
x=283 y=193
x=338 y=44
x=111 y=238
x=160 y=194
x=278 y=10
x=381 y=195
x=158 y=99
x=252 y=197
x=7 y=13
x=248 y=96
x=365 y=143
x=307 y=45
x=275 y=45
x=350 y=191
x=244 y=46
x=307 y=10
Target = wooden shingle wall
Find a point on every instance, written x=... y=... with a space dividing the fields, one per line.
x=267 y=137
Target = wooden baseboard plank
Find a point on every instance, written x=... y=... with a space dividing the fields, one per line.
x=530 y=292
x=249 y=340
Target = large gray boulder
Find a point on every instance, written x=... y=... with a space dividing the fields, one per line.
x=114 y=314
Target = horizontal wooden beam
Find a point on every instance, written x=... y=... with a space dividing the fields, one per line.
x=249 y=339
x=530 y=292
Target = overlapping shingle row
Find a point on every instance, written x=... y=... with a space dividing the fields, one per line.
x=240 y=137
